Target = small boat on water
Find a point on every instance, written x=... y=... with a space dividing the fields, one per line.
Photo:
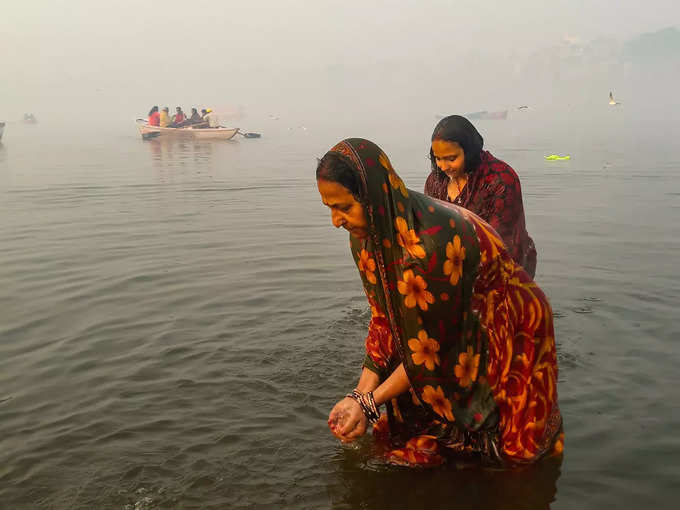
x=484 y=115
x=219 y=133
x=2 y=129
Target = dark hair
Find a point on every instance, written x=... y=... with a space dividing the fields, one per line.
x=455 y=128
x=334 y=168
x=153 y=110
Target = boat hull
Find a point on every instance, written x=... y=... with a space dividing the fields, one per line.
x=2 y=129
x=203 y=133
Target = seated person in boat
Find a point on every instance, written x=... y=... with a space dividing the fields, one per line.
x=178 y=118
x=165 y=119
x=460 y=346
x=203 y=123
x=466 y=175
x=154 y=117
x=195 y=117
x=212 y=118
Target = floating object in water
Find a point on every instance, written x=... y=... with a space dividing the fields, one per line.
x=555 y=157
x=249 y=135
x=611 y=100
x=523 y=107
x=484 y=115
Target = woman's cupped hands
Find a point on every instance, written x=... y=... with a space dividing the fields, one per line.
x=347 y=421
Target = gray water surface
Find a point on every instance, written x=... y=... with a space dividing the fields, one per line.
x=177 y=318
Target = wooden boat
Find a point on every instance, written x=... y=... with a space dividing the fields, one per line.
x=220 y=133
x=484 y=115
x=2 y=129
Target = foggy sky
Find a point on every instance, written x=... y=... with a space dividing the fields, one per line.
x=72 y=56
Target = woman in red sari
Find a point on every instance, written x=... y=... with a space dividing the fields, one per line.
x=466 y=175
x=154 y=117
x=460 y=347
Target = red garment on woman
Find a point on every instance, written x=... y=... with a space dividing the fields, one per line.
x=493 y=192
x=155 y=119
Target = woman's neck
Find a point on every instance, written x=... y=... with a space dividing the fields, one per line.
x=456 y=185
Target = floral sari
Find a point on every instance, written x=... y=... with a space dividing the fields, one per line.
x=474 y=332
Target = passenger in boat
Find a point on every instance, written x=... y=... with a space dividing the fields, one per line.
x=154 y=117
x=178 y=118
x=464 y=174
x=165 y=117
x=460 y=345
x=212 y=118
x=195 y=117
x=203 y=120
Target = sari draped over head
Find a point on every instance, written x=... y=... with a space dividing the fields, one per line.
x=473 y=331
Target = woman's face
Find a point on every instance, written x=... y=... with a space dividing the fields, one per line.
x=346 y=211
x=449 y=157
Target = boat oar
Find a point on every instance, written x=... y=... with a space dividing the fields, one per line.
x=249 y=135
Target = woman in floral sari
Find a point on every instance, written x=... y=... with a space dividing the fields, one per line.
x=460 y=346
x=466 y=175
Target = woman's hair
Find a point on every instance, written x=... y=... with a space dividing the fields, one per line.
x=455 y=128
x=334 y=168
x=153 y=110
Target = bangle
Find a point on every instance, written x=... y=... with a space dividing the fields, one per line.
x=367 y=404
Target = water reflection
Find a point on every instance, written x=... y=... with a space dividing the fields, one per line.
x=356 y=486
x=180 y=152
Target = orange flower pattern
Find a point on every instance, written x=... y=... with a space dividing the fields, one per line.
x=455 y=254
x=408 y=239
x=367 y=266
x=493 y=359
x=438 y=401
x=467 y=367
x=424 y=350
x=395 y=180
x=415 y=289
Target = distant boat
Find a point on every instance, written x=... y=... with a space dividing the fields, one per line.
x=611 y=100
x=2 y=129
x=220 y=133
x=484 y=115
x=29 y=118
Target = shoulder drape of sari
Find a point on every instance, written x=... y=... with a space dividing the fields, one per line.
x=494 y=193
x=472 y=329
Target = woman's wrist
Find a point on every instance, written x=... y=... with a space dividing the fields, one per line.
x=367 y=403
x=379 y=396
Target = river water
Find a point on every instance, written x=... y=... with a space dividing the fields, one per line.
x=177 y=318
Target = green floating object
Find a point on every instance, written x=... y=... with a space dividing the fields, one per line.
x=555 y=157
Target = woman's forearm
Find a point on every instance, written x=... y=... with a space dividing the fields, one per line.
x=368 y=381
x=396 y=384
